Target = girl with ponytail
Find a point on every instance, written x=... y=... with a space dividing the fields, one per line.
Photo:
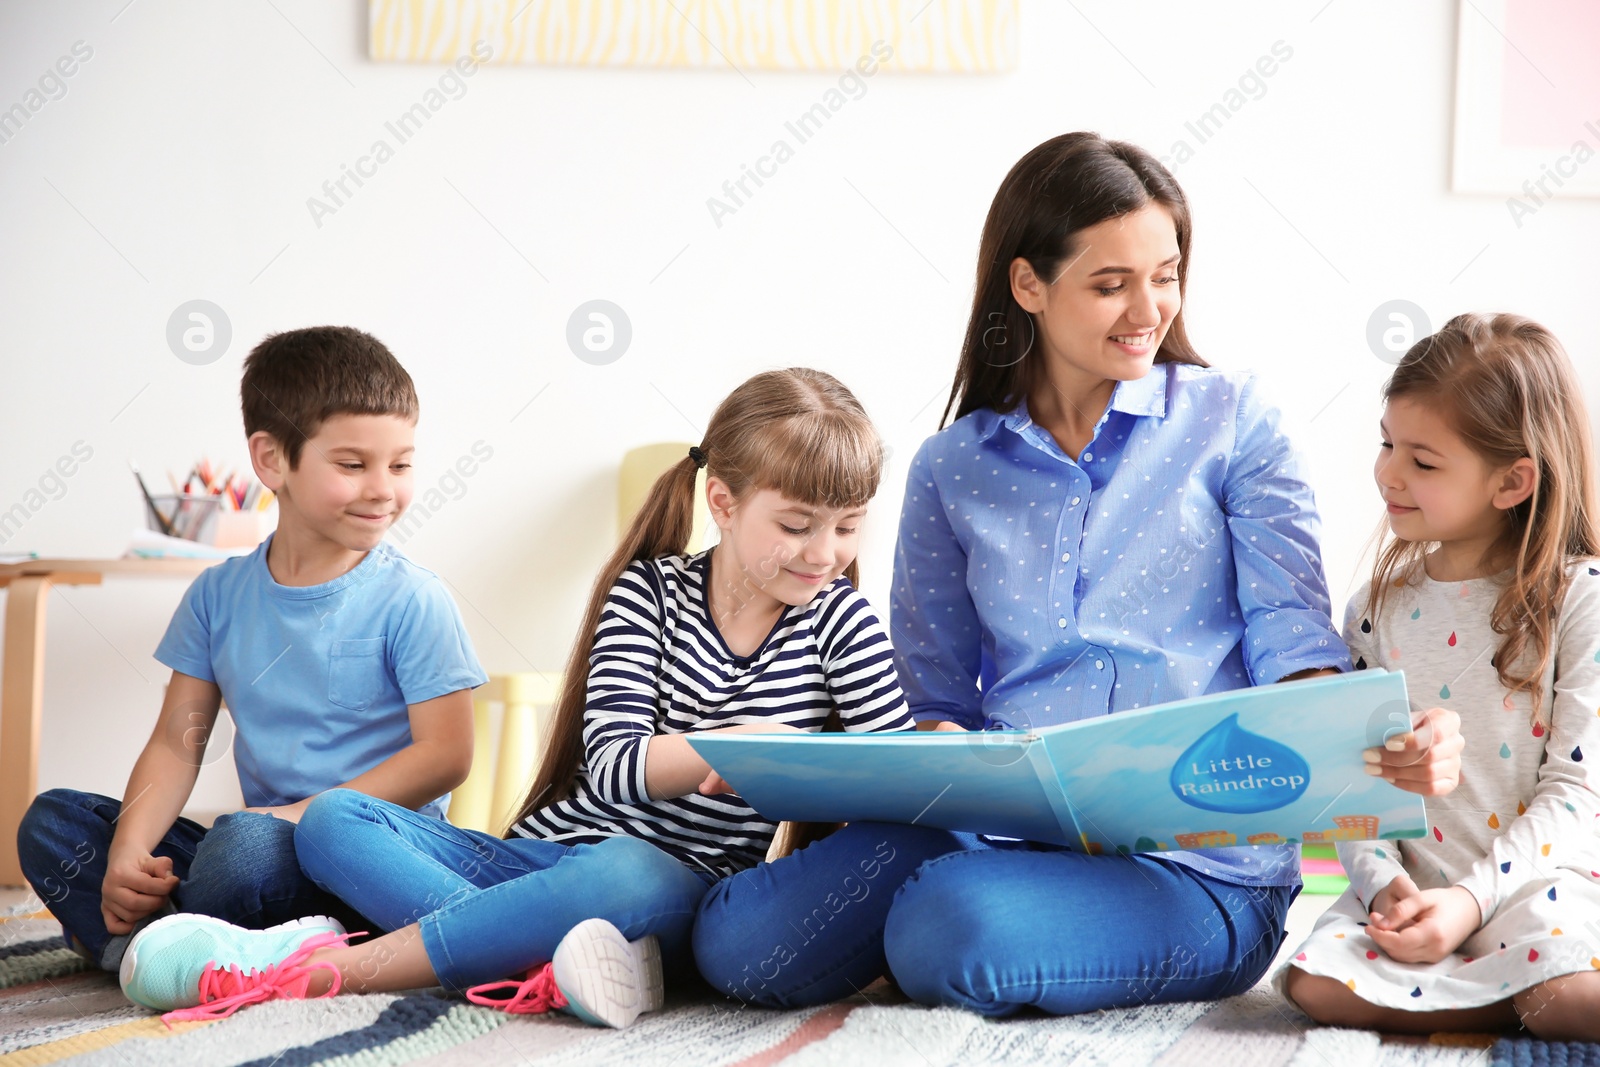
x=594 y=886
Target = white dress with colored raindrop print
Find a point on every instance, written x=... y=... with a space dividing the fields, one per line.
x=1519 y=832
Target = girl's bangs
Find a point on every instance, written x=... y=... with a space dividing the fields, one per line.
x=823 y=463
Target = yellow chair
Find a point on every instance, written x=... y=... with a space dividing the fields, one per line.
x=640 y=469
x=504 y=760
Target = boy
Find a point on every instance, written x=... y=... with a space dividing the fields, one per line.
x=342 y=663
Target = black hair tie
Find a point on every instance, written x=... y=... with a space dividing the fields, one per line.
x=697 y=454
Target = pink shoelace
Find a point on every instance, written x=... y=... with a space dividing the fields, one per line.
x=534 y=993
x=224 y=991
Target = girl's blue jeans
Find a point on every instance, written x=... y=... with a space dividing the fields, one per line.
x=990 y=929
x=242 y=870
x=487 y=908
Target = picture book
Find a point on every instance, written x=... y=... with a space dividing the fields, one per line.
x=1273 y=764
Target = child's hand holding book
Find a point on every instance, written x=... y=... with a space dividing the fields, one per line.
x=1425 y=761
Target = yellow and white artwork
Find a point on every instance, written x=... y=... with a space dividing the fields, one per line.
x=928 y=36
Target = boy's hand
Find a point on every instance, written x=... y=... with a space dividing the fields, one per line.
x=1426 y=926
x=136 y=885
x=287 y=812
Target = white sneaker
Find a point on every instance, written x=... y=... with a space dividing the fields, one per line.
x=607 y=979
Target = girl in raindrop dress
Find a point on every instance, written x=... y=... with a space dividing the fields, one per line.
x=1489 y=599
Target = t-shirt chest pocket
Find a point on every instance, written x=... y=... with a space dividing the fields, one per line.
x=355 y=672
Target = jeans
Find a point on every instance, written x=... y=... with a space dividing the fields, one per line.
x=489 y=908
x=997 y=929
x=808 y=928
x=243 y=870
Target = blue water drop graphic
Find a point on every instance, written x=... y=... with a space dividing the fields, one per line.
x=1444 y=692
x=1380 y=853
x=1505 y=750
x=1552 y=893
x=1230 y=769
x=1577 y=754
x=1505 y=868
x=1417 y=614
x=1417 y=992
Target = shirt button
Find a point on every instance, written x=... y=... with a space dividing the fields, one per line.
x=1087 y=456
x=1099 y=664
x=1065 y=556
x=1075 y=500
x=1062 y=623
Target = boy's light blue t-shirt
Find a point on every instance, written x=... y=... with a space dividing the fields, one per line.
x=318 y=677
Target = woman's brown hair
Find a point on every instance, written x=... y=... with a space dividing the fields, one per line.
x=798 y=432
x=1505 y=385
x=1062 y=187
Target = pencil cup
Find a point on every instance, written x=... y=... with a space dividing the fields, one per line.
x=202 y=518
x=242 y=529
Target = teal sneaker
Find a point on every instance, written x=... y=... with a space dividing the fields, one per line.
x=198 y=962
x=597 y=975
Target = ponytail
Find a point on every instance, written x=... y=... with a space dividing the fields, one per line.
x=661 y=528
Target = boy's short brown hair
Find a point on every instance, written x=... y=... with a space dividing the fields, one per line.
x=296 y=380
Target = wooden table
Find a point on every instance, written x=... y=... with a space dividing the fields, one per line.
x=22 y=672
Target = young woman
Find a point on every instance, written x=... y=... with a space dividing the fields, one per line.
x=1107 y=524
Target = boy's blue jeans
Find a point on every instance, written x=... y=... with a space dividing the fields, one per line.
x=487 y=908
x=243 y=870
x=990 y=929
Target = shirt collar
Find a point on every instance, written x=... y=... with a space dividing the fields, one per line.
x=1141 y=396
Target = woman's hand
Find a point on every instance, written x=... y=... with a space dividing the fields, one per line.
x=1422 y=926
x=1427 y=760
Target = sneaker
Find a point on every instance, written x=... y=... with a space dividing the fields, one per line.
x=597 y=975
x=209 y=968
x=533 y=994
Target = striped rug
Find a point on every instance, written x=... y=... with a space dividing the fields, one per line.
x=55 y=1011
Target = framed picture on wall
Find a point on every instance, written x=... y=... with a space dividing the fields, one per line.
x=1527 y=114
x=925 y=36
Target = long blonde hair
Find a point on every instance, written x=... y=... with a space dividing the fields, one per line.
x=798 y=432
x=1504 y=383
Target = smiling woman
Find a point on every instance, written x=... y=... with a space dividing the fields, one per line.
x=1095 y=462
x=1068 y=477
